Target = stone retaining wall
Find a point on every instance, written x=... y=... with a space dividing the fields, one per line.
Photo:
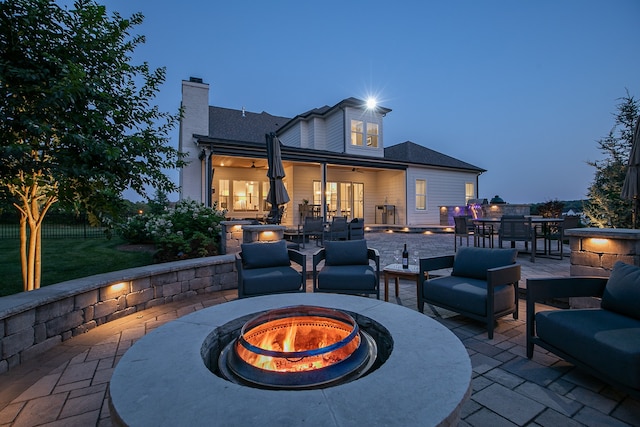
x=594 y=251
x=33 y=322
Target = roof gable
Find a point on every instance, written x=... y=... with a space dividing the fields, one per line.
x=410 y=152
x=326 y=110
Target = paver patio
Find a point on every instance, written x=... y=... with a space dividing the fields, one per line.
x=68 y=386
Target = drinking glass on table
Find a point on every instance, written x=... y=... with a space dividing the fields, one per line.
x=416 y=257
x=396 y=256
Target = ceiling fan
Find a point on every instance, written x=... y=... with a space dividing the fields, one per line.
x=253 y=166
x=357 y=170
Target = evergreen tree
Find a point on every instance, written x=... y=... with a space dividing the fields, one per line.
x=605 y=207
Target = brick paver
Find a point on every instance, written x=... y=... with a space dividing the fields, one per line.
x=68 y=386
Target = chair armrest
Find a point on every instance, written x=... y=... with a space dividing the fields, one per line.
x=563 y=287
x=435 y=263
x=300 y=259
x=373 y=255
x=503 y=276
x=318 y=256
x=297 y=257
x=541 y=289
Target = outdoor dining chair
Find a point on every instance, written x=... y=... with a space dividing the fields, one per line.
x=313 y=228
x=461 y=229
x=339 y=229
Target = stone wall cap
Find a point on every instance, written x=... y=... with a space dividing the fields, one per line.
x=618 y=233
x=23 y=301
x=263 y=227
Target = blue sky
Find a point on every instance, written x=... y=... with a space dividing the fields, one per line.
x=523 y=89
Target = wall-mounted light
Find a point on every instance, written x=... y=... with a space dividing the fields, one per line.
x=267 y=236
x=599 y=241
x=117 y=287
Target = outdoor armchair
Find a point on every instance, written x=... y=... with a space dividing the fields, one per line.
x=265 y=268
x=345 y=267
x=604 y=341
x=483 y=284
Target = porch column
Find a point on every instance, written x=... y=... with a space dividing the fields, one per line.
x=323 y=195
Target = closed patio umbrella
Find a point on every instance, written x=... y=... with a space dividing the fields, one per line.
x=277 y=192
x=631 y=186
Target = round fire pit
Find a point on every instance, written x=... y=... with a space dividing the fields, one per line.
x=298 y=347
x=167 y=378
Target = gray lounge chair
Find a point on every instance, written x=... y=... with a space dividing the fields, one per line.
x=347 y=268
x=265 y=268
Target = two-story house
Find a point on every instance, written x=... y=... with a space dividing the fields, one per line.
x=334 y=157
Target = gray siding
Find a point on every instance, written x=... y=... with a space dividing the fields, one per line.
x=335 y=132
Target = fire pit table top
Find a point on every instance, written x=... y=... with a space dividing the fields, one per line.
x=163 y=380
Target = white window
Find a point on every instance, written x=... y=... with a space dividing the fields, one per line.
x=364 y=133
x=223 y=191
x=421 y=194
x=469 y=192
x=372 y=135
x=246 y=195
x=357 y=132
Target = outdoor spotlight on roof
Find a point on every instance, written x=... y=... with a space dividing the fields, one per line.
x=371 y=103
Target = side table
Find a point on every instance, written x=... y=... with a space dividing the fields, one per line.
x=395 y=271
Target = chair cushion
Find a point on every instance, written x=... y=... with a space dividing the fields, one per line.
x=350 y=252
x=474 y=262
x=271 y=280
x=606 y=341
x=347 y=277
x=265 y=254
x=622 y=292
x=467 y=294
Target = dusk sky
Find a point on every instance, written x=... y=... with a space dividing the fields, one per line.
x=523 y=89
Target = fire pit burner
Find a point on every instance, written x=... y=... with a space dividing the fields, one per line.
x=298 y=347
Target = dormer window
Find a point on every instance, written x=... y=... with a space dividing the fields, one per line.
x=372 y=135
x=357 y=132
x=359 y=137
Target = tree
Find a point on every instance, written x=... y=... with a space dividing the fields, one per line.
x=605 y=207
x=77 y=123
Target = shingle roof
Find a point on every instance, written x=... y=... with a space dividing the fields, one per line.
x=235 y=125
x=228 y=124
x=411 y=152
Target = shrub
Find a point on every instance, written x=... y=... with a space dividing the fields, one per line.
x=189 y=230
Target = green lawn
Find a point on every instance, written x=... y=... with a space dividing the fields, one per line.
x=66 y=259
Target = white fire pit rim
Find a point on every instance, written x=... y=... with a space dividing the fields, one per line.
x=162 y=379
